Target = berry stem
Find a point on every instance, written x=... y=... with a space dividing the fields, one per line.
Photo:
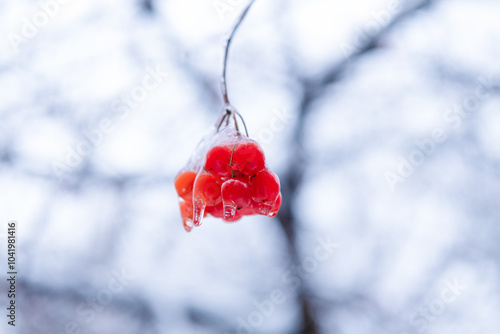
x=231 y=112
x=231 y=160
x=226 y=53
x=242 y=121
x=236 y=124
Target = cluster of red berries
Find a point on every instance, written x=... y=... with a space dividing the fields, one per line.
x=232 y=183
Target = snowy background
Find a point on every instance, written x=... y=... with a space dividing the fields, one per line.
x=380 y=117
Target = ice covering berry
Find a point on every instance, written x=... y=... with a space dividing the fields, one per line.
x=227 y=178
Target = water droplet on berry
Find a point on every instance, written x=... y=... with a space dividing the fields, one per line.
x=198 y=212
x=229 y=211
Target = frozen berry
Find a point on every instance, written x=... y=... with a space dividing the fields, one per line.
x=232 y=181
x=217 y=162
x=265 y=187
x=236 y=195
x=184 y=185
x=248 y=158
x=207 y=189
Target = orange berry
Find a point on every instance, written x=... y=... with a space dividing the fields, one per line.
x=184 y=185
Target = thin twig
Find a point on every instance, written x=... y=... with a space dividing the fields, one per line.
x=228 y=43
x=242 y=121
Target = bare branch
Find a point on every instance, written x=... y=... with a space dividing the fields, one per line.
x=313 y=88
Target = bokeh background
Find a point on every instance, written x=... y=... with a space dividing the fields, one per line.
x=380 y=117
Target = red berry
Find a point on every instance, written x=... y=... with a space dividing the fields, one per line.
x=265 y=187
x=184 y=185
x=217 y=210
x=248 y=158
x=207 y=189
x=217 y=162
x=265 y=190
x=236 y=195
